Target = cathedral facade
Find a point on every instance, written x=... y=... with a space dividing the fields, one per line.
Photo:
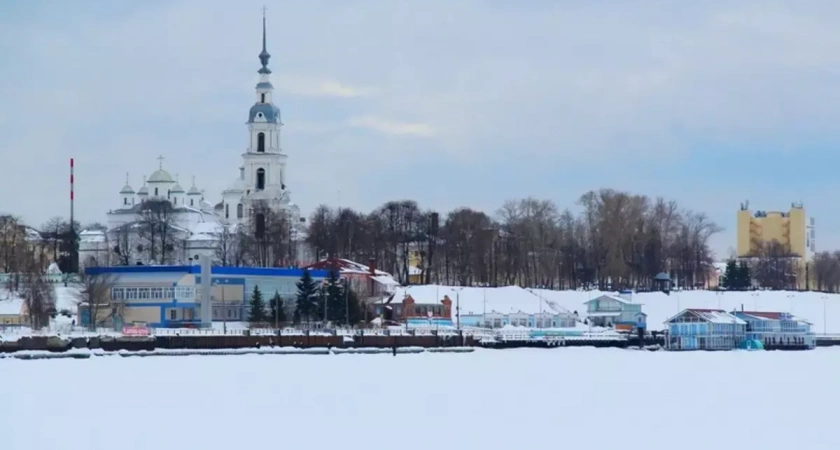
x=254 y=200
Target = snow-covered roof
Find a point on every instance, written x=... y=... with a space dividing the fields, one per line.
x=387 y=280
x=711 y=316
x=480 y=300
x=611 y=297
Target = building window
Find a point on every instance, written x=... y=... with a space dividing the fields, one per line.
x=176 y=200
x=156 y=192
x=173 y=314
x=227 y=211
x=260 y=179
x=239 y=211
x=259 y=228
x=191 y=202
x=262 y=98
x=125 y=201
x=261 y=142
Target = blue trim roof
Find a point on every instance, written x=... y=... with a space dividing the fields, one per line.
x=216 y=270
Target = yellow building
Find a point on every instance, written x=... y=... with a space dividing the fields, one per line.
x=790 y=229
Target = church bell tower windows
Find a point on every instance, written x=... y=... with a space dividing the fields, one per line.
x=227 y=211
x=260 y=179
x=262 y=98
x=261 y=143
x=239 y=211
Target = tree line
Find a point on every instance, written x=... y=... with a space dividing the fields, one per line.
x=615 y=240
x=329 y=302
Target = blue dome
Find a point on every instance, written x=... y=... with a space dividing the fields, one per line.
x=265 y=85
x=266 y=111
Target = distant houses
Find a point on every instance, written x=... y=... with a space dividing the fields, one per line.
x=618 y=311
x=715 y=329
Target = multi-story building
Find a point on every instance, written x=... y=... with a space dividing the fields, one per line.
x=791 y=229
x=778 y=330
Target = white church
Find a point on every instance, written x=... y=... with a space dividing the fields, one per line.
x=197 y=223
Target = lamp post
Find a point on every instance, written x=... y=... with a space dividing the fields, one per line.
x=458 y=308
x=224 y=309
x=825 y=315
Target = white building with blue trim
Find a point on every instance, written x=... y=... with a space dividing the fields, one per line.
x=170 y=296
x=704 y=329
x=778 y=330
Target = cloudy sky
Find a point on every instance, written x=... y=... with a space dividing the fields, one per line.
x=449 y=102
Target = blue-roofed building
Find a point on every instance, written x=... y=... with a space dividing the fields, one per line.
x=170 y=296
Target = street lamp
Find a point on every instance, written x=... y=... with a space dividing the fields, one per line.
x=825 y=315
x=458 y=308
x=224 y=309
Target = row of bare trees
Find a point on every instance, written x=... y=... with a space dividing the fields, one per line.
x=826 y=271
x=616 y=240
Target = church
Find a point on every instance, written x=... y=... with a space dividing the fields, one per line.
x=196 y=227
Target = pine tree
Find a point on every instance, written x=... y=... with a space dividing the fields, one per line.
x=744 y=276
x=335 y=298
x=276 y=310
x=304 y=305
x=731 y=277
x=356 y=314
x=256 y=313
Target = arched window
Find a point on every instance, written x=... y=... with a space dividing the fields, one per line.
x=156 y=192
x=261 y=143
x=227 y=211
x=125 y=201
x=262 y=98
x=191 y=202
x=239 y=211
x=176 y=200
x=260 y=179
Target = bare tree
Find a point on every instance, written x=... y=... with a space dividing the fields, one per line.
x=157 y=230
x=37 y=293
x=227 y=244
x=94 y=295
x=123 y=248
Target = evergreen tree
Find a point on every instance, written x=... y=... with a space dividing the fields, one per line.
x=744 y=276
x=731 y=277
x=256 y=313
x=334 y=293
x=276 y=309
x=304 y=305
x=356 y=312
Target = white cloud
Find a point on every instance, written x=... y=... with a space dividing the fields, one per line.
x=392 y=128
x=311 y=87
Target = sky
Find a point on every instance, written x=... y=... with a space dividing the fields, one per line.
x=448 y=102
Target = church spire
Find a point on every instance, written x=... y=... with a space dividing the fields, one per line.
x=264 y=55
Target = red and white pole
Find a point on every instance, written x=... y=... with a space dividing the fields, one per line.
x=72 y=188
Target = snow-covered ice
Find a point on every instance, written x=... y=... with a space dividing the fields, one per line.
x=513 y=399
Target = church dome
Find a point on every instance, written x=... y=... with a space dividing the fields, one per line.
x=264 y=112
x=143 y=191
x=160 y=176
x=177 y=189
x=126 y=190
x=194 y=191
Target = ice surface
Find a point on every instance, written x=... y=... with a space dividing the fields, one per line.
x=570 y=398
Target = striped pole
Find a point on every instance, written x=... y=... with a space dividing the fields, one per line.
x=72 y=183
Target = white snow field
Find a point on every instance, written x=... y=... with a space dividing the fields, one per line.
x=571 y=398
